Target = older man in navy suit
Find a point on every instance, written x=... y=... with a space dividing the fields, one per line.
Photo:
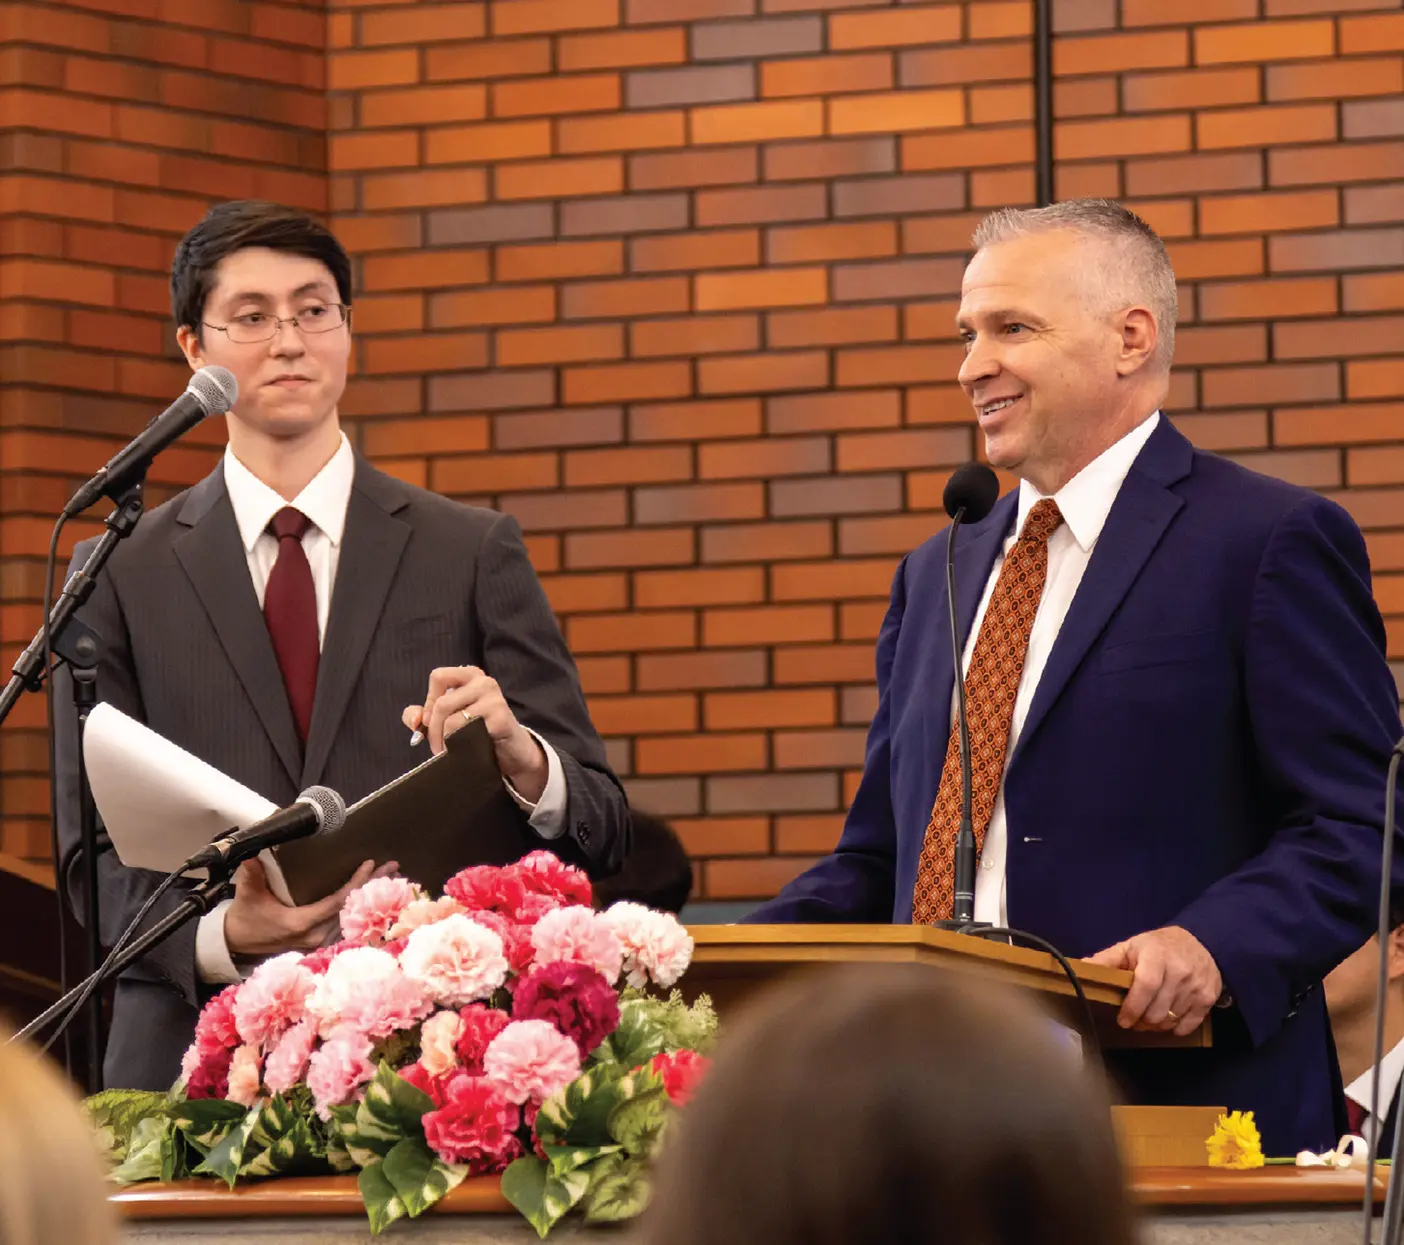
x=1180 y=708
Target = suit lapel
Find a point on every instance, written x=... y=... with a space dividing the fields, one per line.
x=1143 y=509
x=212 y=555
x=371 y=546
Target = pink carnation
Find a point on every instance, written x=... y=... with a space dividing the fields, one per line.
x=319 y=959
x=438 y=1042
x=531 y=1060
x=287 y=1061
x=337 y=1069
x=547 y=874
x=579 y=936
x=682 y=1072
x=516 y=939
x=370 y=911
x=216 y=1026
x=475 y=1125
x=364 y=991
x=423 y=912
x=205 y=1070
x=273 y=998
x=656 y=946
x=455 y=961
x=572 y=997
x=480 y=1025
x=245 y=1076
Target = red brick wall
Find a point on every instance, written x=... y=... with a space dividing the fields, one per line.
x=119 y=123
x=673 y=281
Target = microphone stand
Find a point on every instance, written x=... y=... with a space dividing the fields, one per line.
x=963 y=907
x=78 y=645
x=196 y=903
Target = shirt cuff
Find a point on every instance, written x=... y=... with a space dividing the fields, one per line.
x=213 y=963
x=547 y=815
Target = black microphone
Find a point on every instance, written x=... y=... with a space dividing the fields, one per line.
x=212 y=391
x=970 y=495
x=318 y=810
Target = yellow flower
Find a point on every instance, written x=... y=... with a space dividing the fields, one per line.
x=1235 y=1143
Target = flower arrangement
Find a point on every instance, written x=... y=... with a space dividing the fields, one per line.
x=503 y=1027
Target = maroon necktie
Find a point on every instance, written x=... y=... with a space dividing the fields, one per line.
x=1355 y=1116
x=290 y=609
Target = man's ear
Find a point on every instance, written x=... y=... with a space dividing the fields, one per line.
x=189 y=342
x=1396 y=953
x=1139 y=334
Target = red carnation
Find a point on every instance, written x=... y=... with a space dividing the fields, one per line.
x=547 y=874
x=574 y=998
x=475 y=1125
x=682 y=1072
x=488 y=888
x=480 y=1025
x=516 y=939
x=210 y=1077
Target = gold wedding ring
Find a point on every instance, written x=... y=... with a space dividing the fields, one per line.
x=1170 y=1015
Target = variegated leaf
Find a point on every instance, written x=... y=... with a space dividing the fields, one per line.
x=543 y=1199
x=225 y=1159
x=567 y=1158
x=143 y=1161
x=383 y=1205
x=619 y=1189
x=418 y=1177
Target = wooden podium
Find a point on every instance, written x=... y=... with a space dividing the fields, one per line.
x=732 y=961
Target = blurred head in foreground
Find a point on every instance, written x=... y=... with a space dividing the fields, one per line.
x=876 y=1104
x=53 y=1190
x=1068 y=317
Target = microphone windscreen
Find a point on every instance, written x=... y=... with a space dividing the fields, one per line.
x=973 y=488
x=331 y=808
x=215 y=388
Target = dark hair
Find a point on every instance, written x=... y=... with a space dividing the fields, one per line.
x=236 y=226
x=656 y=872
x=886 y=1104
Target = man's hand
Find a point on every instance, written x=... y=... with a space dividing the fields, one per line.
x=257 y=923
x=457 y=693
x=1176 y=980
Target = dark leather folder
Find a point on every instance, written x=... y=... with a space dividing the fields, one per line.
x=449 y=812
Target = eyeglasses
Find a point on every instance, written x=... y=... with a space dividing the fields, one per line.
x=258 y=326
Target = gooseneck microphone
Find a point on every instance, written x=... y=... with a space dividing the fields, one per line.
x=318 y=810
x=212 y=391
x=970 y=495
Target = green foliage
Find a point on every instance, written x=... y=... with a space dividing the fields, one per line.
x=682 y=1027
x=542 y=1198
x=619 y=1189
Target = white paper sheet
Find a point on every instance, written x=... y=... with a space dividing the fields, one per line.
x=159 y=804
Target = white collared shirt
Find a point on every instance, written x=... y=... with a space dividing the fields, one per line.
x=325 y=500
x=1358 y=1091
x=1085 y=501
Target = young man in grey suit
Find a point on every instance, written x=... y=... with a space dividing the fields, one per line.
x=282 y=618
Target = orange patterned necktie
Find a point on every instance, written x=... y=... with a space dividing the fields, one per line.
x=991 y=686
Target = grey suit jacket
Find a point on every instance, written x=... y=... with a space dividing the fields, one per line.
x=421 y=582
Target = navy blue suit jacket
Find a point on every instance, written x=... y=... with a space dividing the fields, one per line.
x=1207 y=747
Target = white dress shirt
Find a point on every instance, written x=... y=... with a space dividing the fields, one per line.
x=1085 y=501
x=324 y=501
x=1358 y=1091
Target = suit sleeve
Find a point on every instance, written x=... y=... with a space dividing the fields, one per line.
x=523 y=649
x=1324 y=714
x=121 y=891
x=856 y=882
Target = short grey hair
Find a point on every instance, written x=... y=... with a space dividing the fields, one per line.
x=1140 y=272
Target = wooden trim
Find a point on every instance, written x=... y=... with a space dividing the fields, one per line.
x=1206 y=1189
x=40 y=875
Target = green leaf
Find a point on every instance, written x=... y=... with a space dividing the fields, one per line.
x=638 y=1120
x=418 y=1177
x=619 y=1189
x=116 y=1113
x=205 y=1121
x=543 y=1199
x=144 y=1149
x=683 y=1027
x=637 y=1039
x=390 y=1112
x=565 y=1159
x=225 y=1159
x=382 y=1204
